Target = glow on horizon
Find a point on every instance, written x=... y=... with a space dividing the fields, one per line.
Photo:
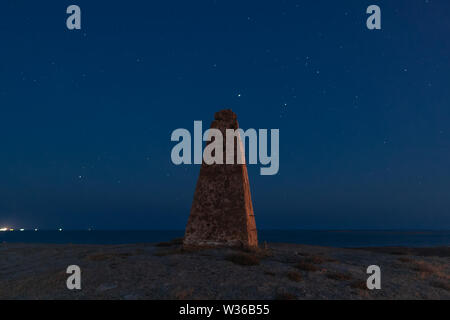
x=6 y=229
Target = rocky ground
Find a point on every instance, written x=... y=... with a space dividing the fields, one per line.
x=167 y=271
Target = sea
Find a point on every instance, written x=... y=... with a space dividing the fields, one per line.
x=330 y=238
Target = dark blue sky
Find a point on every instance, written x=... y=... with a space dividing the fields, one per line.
x=86 y=116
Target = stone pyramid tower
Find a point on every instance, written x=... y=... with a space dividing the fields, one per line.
x=222 y=211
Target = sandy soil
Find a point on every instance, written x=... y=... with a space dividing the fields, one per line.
x=167 y=271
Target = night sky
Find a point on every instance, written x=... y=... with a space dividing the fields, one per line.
x=86 y=115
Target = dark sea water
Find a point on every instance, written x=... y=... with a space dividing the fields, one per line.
x=352 y=238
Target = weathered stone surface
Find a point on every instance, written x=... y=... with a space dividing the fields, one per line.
x=222 y=211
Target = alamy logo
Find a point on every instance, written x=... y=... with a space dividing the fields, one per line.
x=73 y=22
x=374 y=20
x=374 y=281
x=74 y=280
x=213 y=153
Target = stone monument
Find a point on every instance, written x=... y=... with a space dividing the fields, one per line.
x=222 y=211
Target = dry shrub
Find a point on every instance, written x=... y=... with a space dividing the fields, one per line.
x=404 y=260
x=294 y=276
x=305 y=266
x=422 y=266
x=183 y=294
x=339 y=276
x=263 y=252
x=315 y=259
x=285 y=296
x=441 y=285
x=243 y=259
x=427 y=269
x=359 y=284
